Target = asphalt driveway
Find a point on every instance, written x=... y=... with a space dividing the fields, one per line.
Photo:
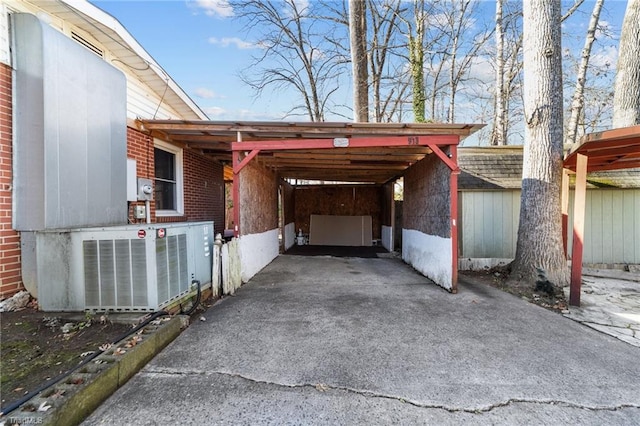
x=322 y=340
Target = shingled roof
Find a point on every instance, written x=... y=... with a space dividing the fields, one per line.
x=500 y=167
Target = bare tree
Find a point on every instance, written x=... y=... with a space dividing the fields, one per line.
x=388 y=81
x=415 y=32
x=577 y=103
x=508 y=60
x=295 y=54
x=499 y=133
x=388 y=84
x=462 y=56
x=539 y=243
x=359 y=62
x=626 y=101
x=453 y=42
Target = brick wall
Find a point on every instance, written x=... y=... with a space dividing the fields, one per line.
x=10 y=266
x=203 y=189
x=140 y=148
x=203 y=182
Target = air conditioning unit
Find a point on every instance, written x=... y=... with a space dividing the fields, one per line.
x=126 y=268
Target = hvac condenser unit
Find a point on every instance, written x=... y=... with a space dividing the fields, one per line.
x=127 y=268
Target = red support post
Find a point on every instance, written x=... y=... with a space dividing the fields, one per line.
x=578 y=229
x=453 y=183
x=236 y=193
x=565 y=210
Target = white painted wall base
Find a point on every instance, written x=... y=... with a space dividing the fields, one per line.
x=480 y=263
x=257 y=251
x=430 y=255
x=387 y=237
x=289 y=235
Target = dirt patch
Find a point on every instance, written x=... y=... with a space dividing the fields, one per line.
x=498 y=278
x=38 y=346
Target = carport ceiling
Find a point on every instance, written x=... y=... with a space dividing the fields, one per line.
x=377 y=164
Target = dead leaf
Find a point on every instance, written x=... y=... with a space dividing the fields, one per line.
x=105 y=347
x=44 y=406
x=321 y=387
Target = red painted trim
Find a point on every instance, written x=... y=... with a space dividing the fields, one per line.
x=238 y=167
x=453 y=165
x=453 y=184
x=578 y=229
x=236 y=194
x=293 y=144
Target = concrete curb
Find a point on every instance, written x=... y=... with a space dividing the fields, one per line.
x=76 y=397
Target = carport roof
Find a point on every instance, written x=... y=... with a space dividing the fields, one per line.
x=292 y=148
x=609 y=150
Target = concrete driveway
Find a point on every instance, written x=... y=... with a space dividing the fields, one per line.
x=321 y=340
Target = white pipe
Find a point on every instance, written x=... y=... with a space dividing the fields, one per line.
x=147 y=210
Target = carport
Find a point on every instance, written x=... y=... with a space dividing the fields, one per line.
x=610 y=150
x=268 y=158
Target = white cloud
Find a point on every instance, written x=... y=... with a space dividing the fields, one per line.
x=604 y=29
x=302 y=6
x=220 y=8
x=606 y=57
x=204 y=93
x=232 y=41
x=215 y=112
x=219 y=113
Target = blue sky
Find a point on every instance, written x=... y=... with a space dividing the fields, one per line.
x=204 y=48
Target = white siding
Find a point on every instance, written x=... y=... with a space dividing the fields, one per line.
x=489 y=225
x=4 y=35
x=612 y=226
x=142 y=102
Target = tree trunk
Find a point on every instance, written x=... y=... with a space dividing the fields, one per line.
x=358 y=38
x=540 y=229
x=626 y=100
x=578 y=96
x=416 y=62
x=499 y=134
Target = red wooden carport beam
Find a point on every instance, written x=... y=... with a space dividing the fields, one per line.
x=327 y=143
